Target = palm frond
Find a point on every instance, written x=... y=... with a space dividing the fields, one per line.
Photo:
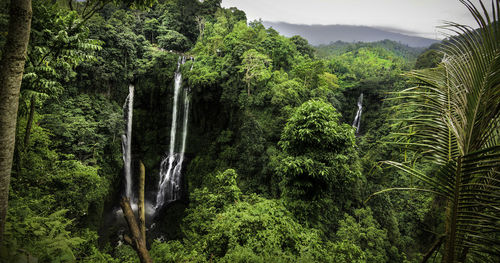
x=453 y=113
x=478 y=208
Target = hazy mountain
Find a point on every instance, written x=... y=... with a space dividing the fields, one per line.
x=325 y=34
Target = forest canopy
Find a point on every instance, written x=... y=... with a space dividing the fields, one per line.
x=238 y=144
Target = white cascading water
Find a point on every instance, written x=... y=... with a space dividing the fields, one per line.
x=128 y=109
x=357 y=120
x=171 y=166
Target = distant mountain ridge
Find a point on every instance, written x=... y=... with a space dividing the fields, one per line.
x=326 y=34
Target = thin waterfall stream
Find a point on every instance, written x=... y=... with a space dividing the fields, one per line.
x=357 y=120
x=128 y=109
x=169 y=184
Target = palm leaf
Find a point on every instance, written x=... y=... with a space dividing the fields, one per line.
x=454 y=118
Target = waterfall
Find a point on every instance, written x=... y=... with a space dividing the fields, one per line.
x=128 y=109
x=171 y=166
x=357 y=120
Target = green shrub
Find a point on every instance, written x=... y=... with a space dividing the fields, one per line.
x=173 y=40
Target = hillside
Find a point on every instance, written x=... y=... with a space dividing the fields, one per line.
x=326 y=34
x=391 y=48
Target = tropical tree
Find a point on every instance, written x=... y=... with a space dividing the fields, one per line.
x=11 y=73
x=454 y=124
x=318 y=169
x=57 y=45
x=256 y=68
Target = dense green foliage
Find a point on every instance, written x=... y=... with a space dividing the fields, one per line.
x=318 y=168
x=457 y=102
x=275 y=172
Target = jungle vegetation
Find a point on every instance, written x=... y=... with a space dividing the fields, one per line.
x=275 y=170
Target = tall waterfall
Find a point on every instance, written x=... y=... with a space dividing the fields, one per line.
x=128 y=109
x=171 y=166
x=357 y=120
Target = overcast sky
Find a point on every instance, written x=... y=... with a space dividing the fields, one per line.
x=412 y=17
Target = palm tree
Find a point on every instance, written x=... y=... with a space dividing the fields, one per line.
x=454 y=124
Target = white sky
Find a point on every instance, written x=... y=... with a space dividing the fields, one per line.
x=412 y=17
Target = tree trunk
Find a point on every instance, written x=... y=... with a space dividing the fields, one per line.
x=451 y=224
x=136 y=241
x=138 y=231
x=142 y=211
x=27 y=132
x=11 y=74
